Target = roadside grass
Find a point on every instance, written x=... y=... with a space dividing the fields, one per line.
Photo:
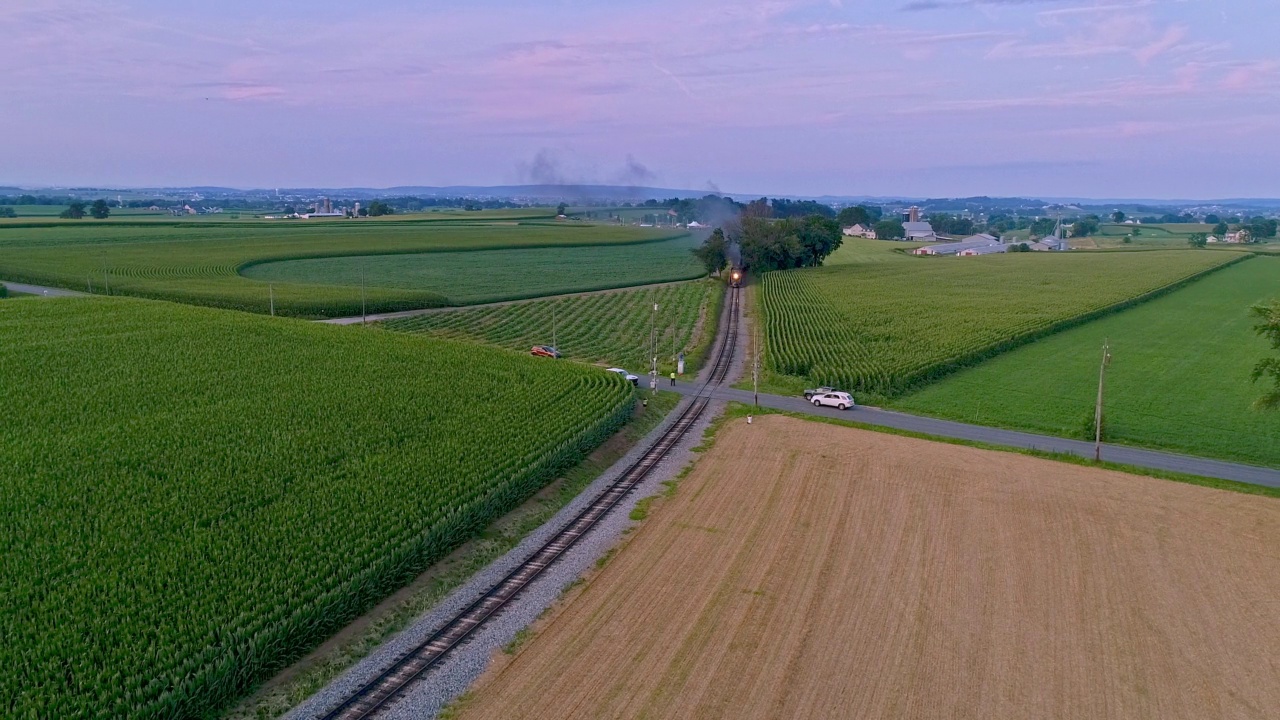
x=522 y=636
x=276 y=699
x=1179 y=377
x=738 y=410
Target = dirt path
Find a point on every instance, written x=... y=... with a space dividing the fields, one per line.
x=832 y=572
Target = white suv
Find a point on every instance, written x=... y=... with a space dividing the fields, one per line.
x=840 y=400
x=633 y=379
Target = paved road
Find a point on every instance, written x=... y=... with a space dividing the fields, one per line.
x=39 y=290
x=375 y=317
x=1153 y=459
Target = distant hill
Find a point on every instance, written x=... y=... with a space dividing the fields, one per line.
x=550 y=194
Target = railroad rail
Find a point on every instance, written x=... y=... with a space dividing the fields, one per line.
x=378 y=694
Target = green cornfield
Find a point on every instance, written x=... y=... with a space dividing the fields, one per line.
x=881 y=328
x=191 y=499
x=1179 y=377
x=205 y=263
x=612 y=327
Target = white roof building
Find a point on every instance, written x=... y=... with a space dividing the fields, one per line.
x=975 y=245
x=919 y=232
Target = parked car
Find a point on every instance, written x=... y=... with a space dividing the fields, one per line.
x=838 y=400
x=545 y=351
x=808 y=394
x=633 y=379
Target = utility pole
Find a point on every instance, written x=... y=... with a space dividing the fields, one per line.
x=271 y=293
x=364 y=308
x=553 y=325
x=1097 y=411
x=673 y=344
x=653 y=351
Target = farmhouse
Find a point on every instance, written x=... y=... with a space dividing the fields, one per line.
x=1239 y=236
x=919 y=232
x=861 y=231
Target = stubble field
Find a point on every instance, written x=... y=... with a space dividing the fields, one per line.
x=832 y=572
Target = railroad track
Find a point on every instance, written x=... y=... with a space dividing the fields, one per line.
x=378 y=694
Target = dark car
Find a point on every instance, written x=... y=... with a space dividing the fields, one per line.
x=545 y=351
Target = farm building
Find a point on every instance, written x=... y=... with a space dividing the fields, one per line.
x=982 y=250
x=860 y=231
x=919 y=232
x=975 y=245
x=1049 y=244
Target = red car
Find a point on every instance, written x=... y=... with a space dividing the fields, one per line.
x=545 y=351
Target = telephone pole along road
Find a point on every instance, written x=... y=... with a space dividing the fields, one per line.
x=1124 y=455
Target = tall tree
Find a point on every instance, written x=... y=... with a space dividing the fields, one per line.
x=855 y=215
x=1198 y=240
x=890 y=230
x=791 y=243
x=758 y=209
x=561 y=209
x=1269 y=327
x=714 y=252
x=1221 y=229
x=74 y=211
x=1117 y=216
x=1085 y=226
x=99 y=209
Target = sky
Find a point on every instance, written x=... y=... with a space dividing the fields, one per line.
x=1042 y=98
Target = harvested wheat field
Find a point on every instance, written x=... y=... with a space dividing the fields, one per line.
x=805 y=570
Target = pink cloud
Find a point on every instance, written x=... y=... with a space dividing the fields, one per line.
x=1249 y=77
x=1172 y=38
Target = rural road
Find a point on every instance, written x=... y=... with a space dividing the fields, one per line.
x=1152 y=459
x=39 y=290
x=454 y=308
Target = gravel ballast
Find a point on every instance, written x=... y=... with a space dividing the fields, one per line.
x=427 y=696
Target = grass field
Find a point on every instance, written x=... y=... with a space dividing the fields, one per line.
x=860 y=252
x=52 y=211
x=828 y=572
x=200 y=262
x=491 y=275
x=1179 y=377
x=193 y=498
x=880 y=328
x=611 y=328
